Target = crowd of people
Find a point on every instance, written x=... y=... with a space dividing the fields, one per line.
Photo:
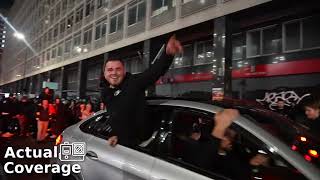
x=42 y=117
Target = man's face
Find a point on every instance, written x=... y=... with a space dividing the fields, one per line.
x=45 y=103
x=114 y=72
x=312 y=113
x=280 y=104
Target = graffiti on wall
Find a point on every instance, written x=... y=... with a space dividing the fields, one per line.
x=290 y=98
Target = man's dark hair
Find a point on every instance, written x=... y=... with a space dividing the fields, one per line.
x=112 y=59
x=312 y=102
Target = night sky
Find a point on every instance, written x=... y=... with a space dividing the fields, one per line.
x=6 y=4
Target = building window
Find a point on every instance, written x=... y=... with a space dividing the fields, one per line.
x=87 y=36
x=253 y=43
x=53 y=53
x=116 y=22
x=64 y=5
x=101 y=29
x=58 y=10
x=48 y=56
x=51 y=16
x=67 y=46
x=238 y=45
x=102 y=4
x=62 y=26
x=292 y=36
x=160 y=6
x=89 y=7
x=311 y=29
x=271 y=38
x=204 y=53
x=50 y=35
x=77 y=42
x=136 y=11
x=55 y=31
x=79 y=15
x=70 y=21
x=184 y=59
x=60 y=50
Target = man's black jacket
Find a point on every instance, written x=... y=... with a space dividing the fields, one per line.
x=126 y=103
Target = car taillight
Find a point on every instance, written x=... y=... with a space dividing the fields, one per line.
x=307 y=157
x=303 y=139
x=59 y=140
x=294 y=147
x=313 y=153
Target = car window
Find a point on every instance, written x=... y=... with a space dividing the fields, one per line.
x=98 y=126
x=154 y=127
x=189 y=144
x=176 y=133
x=263 y=161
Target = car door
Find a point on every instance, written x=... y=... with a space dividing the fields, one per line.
x=102 y=161
x=170 y=164
x=142 y=157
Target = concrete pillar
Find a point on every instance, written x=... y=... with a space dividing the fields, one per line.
x=222 y=63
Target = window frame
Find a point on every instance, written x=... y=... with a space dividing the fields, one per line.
x=137 y=4
x=116 y=15
x=99 y=25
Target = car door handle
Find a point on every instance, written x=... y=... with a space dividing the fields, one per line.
x=92 y=155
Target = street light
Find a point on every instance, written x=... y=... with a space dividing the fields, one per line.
x=18 y=35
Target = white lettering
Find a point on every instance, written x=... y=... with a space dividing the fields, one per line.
x=19 y=169
x=19 y=151
x=28 y=151
x=65 y=168
x=55 y=168
x=29 y=168
x=6 y=168
x=9 y=153
x=38 y=168
x=290 y=98
x=76 y=168
x=47 y=153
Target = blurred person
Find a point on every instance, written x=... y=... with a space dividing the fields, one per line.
x=79 y=110
x=24 y=109
x=43 y=117
x=124 y=94
x=205 y=150
x=8 y=112
x=102 y=106
x=59 y=122
x=87 y=112
x=47 y=94
x=312 y=111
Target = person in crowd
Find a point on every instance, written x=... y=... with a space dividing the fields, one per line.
x=124 y=94
x=8 y=112
x=312 y=111
x=102 y=106
x=87 y=111
x=80 y=107
x=24 y=109
x=47 y=94
x=204 y=151
x=59 y=122
x=43 y=117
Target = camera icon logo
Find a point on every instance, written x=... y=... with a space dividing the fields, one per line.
x=72 y=151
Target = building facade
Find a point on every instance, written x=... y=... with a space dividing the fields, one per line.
x=236 y=47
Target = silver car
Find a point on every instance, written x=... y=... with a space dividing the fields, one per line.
x=256 y=150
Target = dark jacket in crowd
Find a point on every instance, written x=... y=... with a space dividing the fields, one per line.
x=43 y=114
x=44 y=96
x=315 y=127
x=126 y=103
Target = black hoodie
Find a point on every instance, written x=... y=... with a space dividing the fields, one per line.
x=126 y=103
